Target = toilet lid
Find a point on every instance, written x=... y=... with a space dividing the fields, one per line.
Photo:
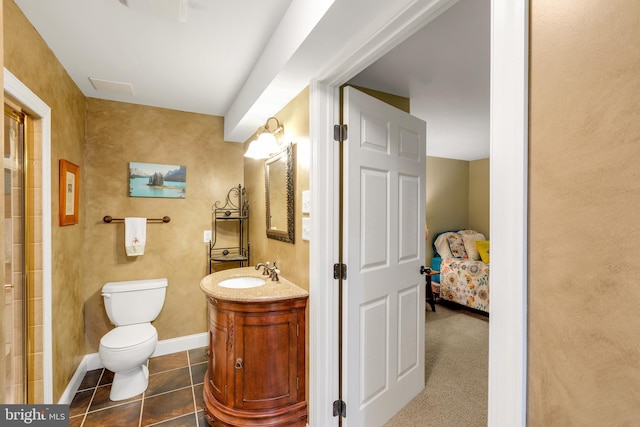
x=129 y=336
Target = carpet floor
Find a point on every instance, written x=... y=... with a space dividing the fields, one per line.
x=456 y=372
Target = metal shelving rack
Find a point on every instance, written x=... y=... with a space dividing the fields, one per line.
x=235 y=208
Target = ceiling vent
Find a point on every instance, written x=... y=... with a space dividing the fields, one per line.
x=112 y=87
x=175 y=10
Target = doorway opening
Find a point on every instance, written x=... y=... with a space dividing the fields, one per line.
x=508 y=207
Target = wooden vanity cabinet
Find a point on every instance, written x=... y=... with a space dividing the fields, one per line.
x=220 y=359
x=256 y=367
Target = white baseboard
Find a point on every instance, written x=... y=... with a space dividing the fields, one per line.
x=184 y=343
x=92 y=361
x=76 y=380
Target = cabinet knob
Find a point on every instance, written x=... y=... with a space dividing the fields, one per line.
x=239 y=363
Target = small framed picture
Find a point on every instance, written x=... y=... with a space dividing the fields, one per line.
x=69 y=192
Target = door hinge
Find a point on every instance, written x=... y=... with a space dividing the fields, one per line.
x=340 y=271
x=340 y=409
x=339 y=132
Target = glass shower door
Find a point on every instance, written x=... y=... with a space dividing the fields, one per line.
x=15 y=295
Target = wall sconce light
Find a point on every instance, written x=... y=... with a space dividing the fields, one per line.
x=267 y=142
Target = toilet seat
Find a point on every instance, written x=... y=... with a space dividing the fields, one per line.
x=129 y=337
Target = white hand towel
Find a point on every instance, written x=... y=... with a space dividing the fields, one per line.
x=135 y=235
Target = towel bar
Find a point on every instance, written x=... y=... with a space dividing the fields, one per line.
x=109 y=219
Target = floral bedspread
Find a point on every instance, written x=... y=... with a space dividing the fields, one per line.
x=465 y=282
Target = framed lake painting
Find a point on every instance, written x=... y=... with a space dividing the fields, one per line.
x=155 y=180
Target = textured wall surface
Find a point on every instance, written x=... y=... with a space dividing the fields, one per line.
x=400 y=102
x=293 y=259
x=447 y=197
x=119 y=133
x=584 y=197
x=479 y=196
x=32 y=62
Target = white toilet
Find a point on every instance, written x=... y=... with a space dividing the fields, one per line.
x=124 y=350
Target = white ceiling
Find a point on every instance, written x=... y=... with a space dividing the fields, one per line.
x=245 y=59
x=197 y=66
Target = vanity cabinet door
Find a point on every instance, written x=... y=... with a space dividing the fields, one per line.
x=266 y=360
x=220 y=354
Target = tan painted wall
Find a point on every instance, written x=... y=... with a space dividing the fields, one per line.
x=293 y=259
x=479 y=196
x=584 y=198
x=118 y=133
x=447 y=197
x=397 y=101
x=457 y=197
x=30 y=60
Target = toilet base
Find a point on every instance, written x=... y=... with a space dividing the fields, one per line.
x=129 y=383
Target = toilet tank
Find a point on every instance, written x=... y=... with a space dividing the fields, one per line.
x=134 y=301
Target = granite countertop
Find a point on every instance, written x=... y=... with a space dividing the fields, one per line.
x=270 y=291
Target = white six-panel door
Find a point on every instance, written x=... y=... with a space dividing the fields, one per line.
x=384 y=222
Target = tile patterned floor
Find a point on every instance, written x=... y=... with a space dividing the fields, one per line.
x=173 y=397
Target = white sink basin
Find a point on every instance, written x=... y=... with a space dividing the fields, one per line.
x=242 y=282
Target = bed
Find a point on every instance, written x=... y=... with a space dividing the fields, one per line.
x=462 y=258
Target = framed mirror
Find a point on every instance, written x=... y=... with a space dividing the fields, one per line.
x=279 y=191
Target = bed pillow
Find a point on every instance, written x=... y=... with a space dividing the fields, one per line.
x=483 y=250
x=467 y=232
x=442 y=245
x=470 y=245
x=456 y=244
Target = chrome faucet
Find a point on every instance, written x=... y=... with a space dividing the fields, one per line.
x=272 y=272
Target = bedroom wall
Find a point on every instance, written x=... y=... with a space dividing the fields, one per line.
x=397 y=101
x=457 y=196
x=583 y=293
x=479 y=196
x=447 y=197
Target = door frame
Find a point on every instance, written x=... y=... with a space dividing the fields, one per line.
x=40 y=111
x=508 y=206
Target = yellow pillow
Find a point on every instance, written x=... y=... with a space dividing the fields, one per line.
x=483 y=250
